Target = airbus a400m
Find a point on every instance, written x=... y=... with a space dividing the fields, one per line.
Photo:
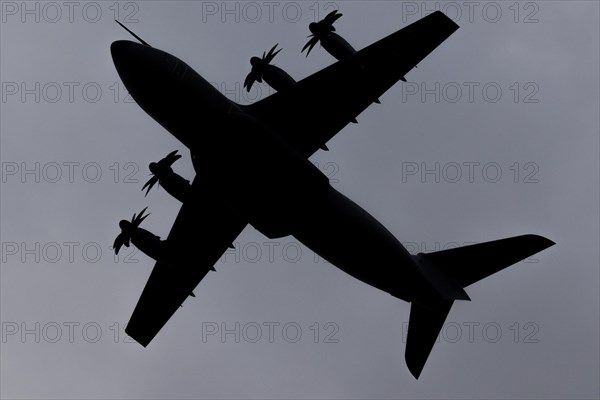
x=294 y=199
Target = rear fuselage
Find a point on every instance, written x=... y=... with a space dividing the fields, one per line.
x=261 y=177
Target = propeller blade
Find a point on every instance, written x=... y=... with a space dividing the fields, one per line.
x=171 y=158
x=272 y=50
x=272 y=53
x=136 y=221
x=150 y=184
x=250 y=79
x=332 y=17
x=119 y=242
x=311 y=43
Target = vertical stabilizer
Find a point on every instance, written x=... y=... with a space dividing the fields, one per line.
x=423 y=328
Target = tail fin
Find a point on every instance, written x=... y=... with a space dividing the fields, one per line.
x=449 y=271
x=423 y=328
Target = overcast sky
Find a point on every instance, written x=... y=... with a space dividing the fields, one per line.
x=496 y=134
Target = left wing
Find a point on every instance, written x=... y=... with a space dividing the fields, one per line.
x=321 y=105
x=202 y=232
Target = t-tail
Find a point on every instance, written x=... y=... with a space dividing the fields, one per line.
x=449 y=272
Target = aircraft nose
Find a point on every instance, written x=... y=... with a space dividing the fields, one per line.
x=118 y=48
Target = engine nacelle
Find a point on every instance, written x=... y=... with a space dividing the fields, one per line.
x=175 y=185
x=278 y=79
x=149 y=244
x=337 y=46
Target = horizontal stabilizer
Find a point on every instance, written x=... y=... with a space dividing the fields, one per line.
x=469 y=264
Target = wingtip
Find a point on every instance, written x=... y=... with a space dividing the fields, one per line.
x=540 y=242
x=414 y=366
x=443 y=17
x=547 y=242
x=143 y=341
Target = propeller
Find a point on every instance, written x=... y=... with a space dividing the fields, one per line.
x=158 y=168
x=258 y=67
x=127 y=229
x=321 y=29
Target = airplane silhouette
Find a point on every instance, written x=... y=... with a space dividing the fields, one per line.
x=252 y=167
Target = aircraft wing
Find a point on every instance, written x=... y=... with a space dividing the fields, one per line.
x=202 y=232
x=322 y=104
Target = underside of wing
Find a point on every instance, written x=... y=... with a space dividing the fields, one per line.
x=319 y=106
x=202 y=232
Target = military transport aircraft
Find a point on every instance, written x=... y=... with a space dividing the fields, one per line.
x=252 y=167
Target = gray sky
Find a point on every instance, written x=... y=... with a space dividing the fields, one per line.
x=504 y=116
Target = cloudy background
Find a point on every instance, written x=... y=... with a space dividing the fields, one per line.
x=494 y=135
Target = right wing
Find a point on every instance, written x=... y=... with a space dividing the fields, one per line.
x=202 y=232
x=321 y=105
